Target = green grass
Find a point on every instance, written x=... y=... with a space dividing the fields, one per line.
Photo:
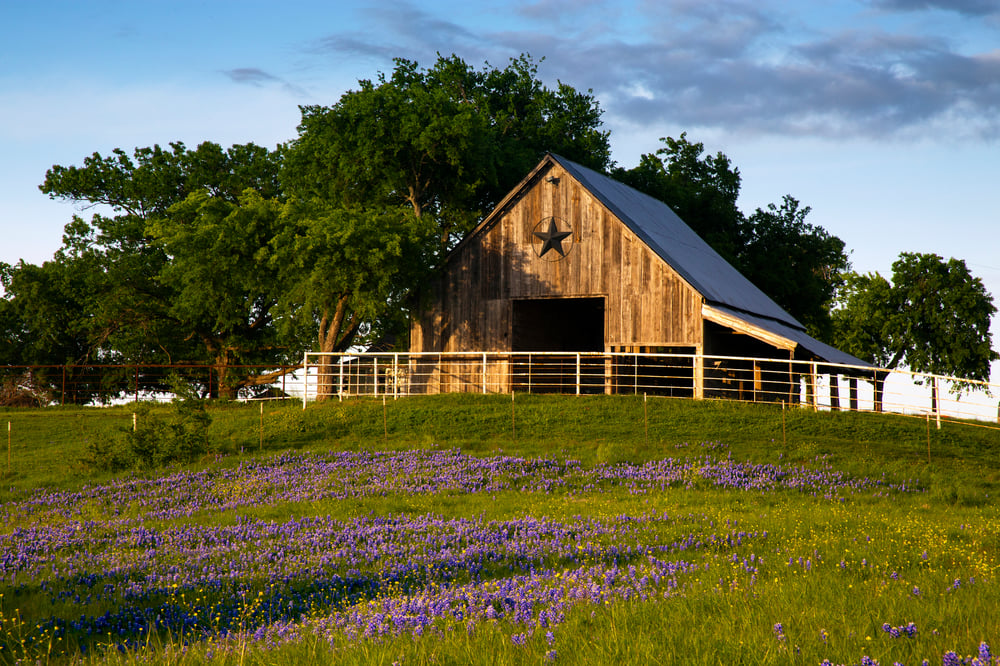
x=47 y=445
x=861 y=556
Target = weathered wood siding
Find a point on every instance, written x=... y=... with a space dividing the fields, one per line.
x=468 y=308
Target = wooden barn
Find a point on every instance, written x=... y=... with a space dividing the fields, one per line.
x=574 y=261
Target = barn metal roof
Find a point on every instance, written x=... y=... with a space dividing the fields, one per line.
x=702 y=267
x=677 y=244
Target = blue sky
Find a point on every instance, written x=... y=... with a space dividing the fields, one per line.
x=882 y=115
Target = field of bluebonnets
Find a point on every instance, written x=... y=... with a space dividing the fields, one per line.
x=442 y=533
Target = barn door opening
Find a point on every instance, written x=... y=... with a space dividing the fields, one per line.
x=558 y=325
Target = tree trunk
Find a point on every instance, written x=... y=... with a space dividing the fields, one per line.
x=332 y=339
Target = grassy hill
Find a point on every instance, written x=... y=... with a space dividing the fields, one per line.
x=960 y=462
x=477 y=529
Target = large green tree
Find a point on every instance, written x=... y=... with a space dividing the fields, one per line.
x=156 y=212
x=347 y=271
x=933 y=317
x=448 y=141
x=220 y=279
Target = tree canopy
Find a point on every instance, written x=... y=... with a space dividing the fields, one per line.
x=161 y=270
x=932 y=317
x=449 y=141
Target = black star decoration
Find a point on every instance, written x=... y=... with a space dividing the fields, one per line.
x=552 y=239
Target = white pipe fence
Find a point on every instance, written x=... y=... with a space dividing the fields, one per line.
x=810 y=384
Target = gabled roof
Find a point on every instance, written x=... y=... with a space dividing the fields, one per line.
x=677 y=244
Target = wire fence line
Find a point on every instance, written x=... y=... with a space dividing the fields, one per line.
x=105 y=384
x=323 y=376
x=809 y=384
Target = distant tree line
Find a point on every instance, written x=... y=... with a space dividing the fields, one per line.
x=245 y=256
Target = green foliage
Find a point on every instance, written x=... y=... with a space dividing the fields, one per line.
x=171 y=270
x=158 y=438
x=861 y=326
x=220 y=276
x=934 y=317
x=347 y=269
x=448 y=141
x=797 y=264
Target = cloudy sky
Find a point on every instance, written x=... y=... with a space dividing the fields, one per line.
x=882 y=115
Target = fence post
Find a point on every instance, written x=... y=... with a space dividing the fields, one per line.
x=395 y=375
x=137 y=383
x=529 y=374
x=484 y=373
x=305 y=378
x=375 y=375
x=699 y=377
x=784 y=436
x=645 y=418
x=635 y=375
x=578 y=373
x=813 y=381
x=513 y=426
x=937 y=401
x=340 y=378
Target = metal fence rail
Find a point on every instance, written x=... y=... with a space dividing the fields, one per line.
x=816 y=385
x=819 y=386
